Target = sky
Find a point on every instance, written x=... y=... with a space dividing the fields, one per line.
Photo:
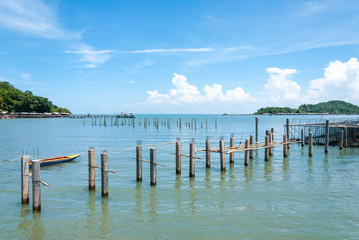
x=185 y=56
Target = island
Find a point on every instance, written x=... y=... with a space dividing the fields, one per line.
x=330 y=107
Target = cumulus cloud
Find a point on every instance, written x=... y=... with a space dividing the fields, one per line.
x=280 y=86
x=341 y=81
x=189 y=94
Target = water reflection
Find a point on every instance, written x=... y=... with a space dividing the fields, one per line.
x=25 y=225
x=310 y=168
x=138 y=197
x=178 y=185
x=248 y=173
x=222 y=180
x=153 y=204
x=193 y=195
x=326 y=169
x=105 y=216
x=268 y=169
x=232 y=176
x=37 y=230
x=285 y=168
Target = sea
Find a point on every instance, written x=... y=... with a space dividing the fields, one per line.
x=298 y=197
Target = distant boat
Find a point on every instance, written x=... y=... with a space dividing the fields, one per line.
x=54 y=160
x=225 y=114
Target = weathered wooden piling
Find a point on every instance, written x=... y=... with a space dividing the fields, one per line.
x=36 y=186
x=341 y=139
x=91 y=165
x=246 y=153
x=302 y=137
x=345 y=137
x=266 y=150
x=208 y=153
x=178 y=157
x=231 y=144
x=257 y=129
x=153 y=166
x=326 y=135
x=271 y=140
x=139 y=163
x=222 y=156
x=288 y=132
x=310 y=143
x=251 y=138
x=25 y=179
x=104 y=173
x=192 y=151
x=285 y=152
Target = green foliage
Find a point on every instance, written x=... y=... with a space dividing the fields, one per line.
x=331 y=107
x=14 y=100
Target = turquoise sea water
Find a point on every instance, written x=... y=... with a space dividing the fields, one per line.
x=292 y=198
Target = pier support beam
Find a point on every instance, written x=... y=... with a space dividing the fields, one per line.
x=178 y=157
x=345 y=137
x=91 y=163
x=25 y=179
x=208 y=153
x=104 y=173
x=257 y=129
x=310 y=143
x=246 y=153
x=222 y=156
x=288 y=132
x=192 y=152
x=285 y=152
x=251 y=145
x=341 y=139
x=138 y=163
x=266 y=150
x=302 y=137
x=326 y=135
x=36 y=186
x=231 y=155
x=153 y=166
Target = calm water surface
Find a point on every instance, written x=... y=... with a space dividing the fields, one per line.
x=293 y=198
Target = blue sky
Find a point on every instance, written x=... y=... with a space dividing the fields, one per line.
x=181 y=56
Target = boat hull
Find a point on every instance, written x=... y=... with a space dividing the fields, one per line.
x=50 y=161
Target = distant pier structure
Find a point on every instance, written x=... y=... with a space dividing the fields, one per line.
x=344 y=133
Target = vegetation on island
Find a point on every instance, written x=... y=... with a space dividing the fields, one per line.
x=14 y=100
x=331 y=107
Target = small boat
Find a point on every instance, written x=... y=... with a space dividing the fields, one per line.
x=54 y=160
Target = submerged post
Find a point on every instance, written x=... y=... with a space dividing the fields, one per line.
x=36 y=186
x=266 y=150
x=345 y=137
x=341 y=139
x=231 y=155
x=139 y=163
x=310 y=143
x=153 y=166
x=246 y=153
x=257 y=129
x=326 y=135
x=178 y=157
x=191 y=159
x=288 y=132
x=285 y=152
x=208 y=153
x=25 y=179
x=222 y=156
x=251 y=143
x=91 y=163
x=302 y=137
x=104 y=173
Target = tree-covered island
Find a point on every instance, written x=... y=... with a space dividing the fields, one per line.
x=14 y=100
x=331 y=107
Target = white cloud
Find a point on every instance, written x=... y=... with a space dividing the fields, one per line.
x=341 y=81
x=93 y=58
x=33 y=17
x=280 y=87
x=26 y=76
x=171 y=50
x=189 y=94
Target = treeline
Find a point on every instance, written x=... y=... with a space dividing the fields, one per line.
x=14 y=100
x=331 y=107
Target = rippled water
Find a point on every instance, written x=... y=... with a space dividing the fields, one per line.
x=292 y=198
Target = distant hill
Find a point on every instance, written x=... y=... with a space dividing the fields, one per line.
x=331 y=107
x=14 y=100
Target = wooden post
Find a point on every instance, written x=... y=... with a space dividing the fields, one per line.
x=310 y=143
x=153 y=166
x=222 y=156
x=104 y=173
x=271 y=137
x=25 y=179
x=326 y=135
x=91 y=163
x=231 y=155
x=257 y=129
x=208 y=153
x=139 y=163
x=345 y=137
x=36 y=186
x=341 y=139
x=191 y=160
x=266 y=150
x=246 y=153
x=285 y=152
x=288 y=132
x=178 y=157
x=251 y=138
x=302 y=137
